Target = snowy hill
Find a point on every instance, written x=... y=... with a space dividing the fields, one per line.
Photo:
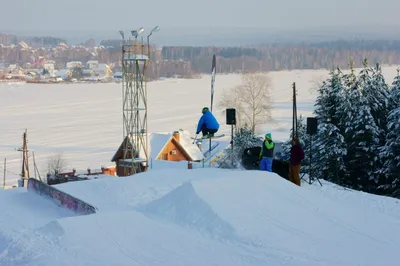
x=201 y=217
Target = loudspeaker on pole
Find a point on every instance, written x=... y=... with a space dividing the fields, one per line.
x=312 y=125
x=231 y=116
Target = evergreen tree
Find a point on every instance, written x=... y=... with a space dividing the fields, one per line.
x=330 y=148
x=391 y=154
x=364 y=77
x=362 y=138
x=242 y=139
x=350 y=79
x=391 y=151
x=376 y=93
x=394 y=93
x=328 y=103
x=329 y=145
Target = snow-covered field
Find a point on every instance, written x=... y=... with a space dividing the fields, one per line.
x=201 y=217
x=84 y=121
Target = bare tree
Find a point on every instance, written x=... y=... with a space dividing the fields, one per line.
x=251 y=100
x=231 y=99
x=56 y=164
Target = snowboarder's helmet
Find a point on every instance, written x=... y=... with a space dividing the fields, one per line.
x=205 y=109
x=268 y=136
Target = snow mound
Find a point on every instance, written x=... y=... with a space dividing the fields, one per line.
x=21 y=210
x=129 y=238
x=52 y=229
x=184 y=207
x=203 y=217
x=126 y=193
x=3 y=243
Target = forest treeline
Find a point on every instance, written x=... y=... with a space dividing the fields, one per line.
x=276 y=57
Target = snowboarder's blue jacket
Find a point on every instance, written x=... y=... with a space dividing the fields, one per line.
x=208 y=120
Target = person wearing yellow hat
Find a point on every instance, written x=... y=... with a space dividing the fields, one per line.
x=267 y=153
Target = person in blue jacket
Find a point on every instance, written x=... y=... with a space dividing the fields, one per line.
x=208 y=125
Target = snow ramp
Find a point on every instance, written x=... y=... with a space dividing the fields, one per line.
x=277 y=218
x=185 y=208
x=60 y=198
x=216 y=217
x=21 y=211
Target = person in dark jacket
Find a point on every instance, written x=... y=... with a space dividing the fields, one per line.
x=296 y=157
x=208 y=125
x=267 y=153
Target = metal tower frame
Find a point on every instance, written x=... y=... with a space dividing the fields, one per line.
x=135 y=59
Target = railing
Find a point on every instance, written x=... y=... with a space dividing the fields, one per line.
x=208 y=152
x=60 y=198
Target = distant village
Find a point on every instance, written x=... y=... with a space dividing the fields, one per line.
x=50 y=60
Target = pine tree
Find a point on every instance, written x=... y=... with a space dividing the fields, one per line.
x=394 y=93
x=350 y=79
x=362 y=138
x=329 y=144
x=243 y=139
x=329 y=101
x=376 y=93
x=364 y=77
x=391 y=151
x=330 y=148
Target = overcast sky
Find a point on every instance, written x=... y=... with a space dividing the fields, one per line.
x=49 y=16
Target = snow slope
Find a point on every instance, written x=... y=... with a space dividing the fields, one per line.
x=84 y=121
x=22 y=211
x=214 y=217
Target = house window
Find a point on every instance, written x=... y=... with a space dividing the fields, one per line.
x=165 y=156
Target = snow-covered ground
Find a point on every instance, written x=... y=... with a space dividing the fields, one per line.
x=201 y=217
x=84 y=121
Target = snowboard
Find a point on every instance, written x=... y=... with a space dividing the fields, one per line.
x=215 y=137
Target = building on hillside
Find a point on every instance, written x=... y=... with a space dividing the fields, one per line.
x=92 y=64
x=14 y=71
x=7 y=39
x=50 y=68
x=87 y=73
x=74 y=64
x=64 y=74
x=124 y=165
x=75 y=176
x=177 y=146
x=103 y=70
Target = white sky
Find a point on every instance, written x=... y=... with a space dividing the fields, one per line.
x=52 y=15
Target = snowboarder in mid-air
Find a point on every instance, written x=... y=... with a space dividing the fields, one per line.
x=208 y=125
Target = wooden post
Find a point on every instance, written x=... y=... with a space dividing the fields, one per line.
x=35 y=167
x=294 y=119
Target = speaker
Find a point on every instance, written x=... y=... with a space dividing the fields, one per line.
x=231 y=116
x=311 y=125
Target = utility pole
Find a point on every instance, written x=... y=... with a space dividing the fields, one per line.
x=294 y=121
x=25 y=161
